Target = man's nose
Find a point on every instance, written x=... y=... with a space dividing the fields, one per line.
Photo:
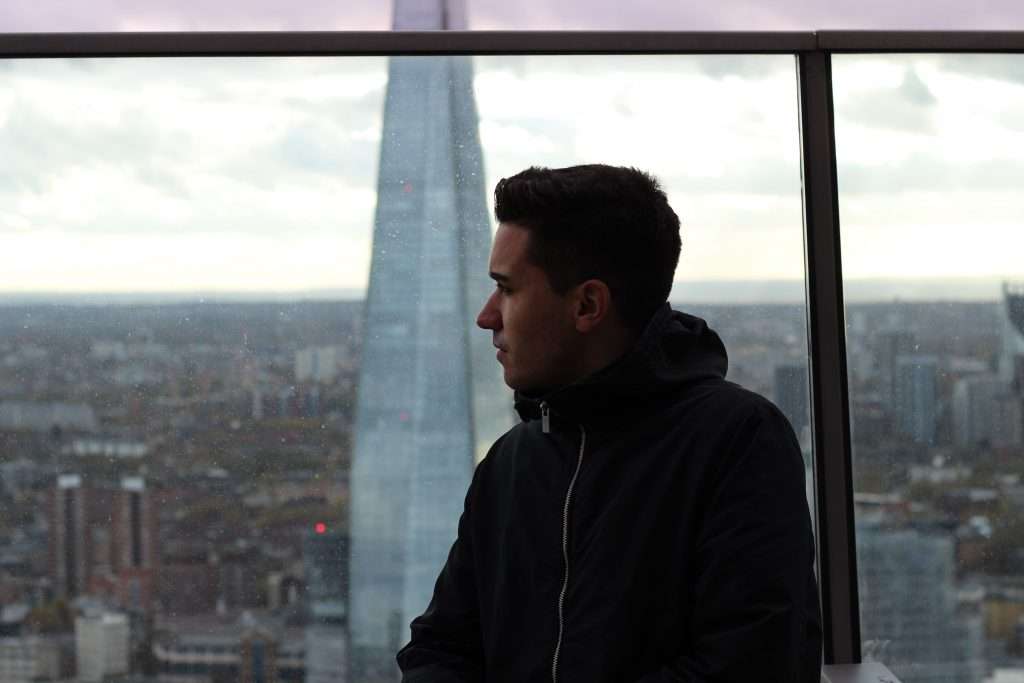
x=489 y=318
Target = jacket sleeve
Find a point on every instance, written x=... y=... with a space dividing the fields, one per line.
x=446 y=644
x=756 y=615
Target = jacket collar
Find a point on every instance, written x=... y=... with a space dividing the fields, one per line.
x=675 y=349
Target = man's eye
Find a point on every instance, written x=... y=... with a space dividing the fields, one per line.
x=502 y=288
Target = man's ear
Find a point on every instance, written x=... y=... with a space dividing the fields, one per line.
x=593 y=305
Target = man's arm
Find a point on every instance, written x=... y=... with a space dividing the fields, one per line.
x=753 y=589
x=447 y=645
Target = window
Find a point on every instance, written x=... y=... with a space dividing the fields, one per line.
x=233 y=320
x=929 y=152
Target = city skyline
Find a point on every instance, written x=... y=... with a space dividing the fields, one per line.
x=684 y=292
x=232 y=416
x=198 y=445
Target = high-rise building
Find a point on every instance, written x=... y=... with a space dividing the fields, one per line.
x=325 y=558
x=985 y=412
x=134 y=544
x=430 y=397
x=889 y=346
x=791 y=395
x=916 y=400
x=326 y=653
x=319 y=363
x=912 y=618
x=70 y=563
x=1008 y=421
x=1011 y=364
x=30 y=658
x=101 y=645
x=103 y=541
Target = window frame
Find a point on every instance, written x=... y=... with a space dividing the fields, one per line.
x=812 y=50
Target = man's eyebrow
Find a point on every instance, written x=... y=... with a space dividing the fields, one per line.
x=499 y=277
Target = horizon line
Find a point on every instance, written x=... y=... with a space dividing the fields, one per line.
x=707 y=292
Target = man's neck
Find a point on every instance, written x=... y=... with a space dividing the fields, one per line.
x=616 y=344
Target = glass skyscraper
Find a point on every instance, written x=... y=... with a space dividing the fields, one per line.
x=430 y=395
x=912 y=618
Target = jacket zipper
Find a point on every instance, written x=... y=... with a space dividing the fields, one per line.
x=565 y=547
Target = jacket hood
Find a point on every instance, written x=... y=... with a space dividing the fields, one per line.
x=674 y=350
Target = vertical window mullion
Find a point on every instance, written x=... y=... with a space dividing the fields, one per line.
x=830 y=412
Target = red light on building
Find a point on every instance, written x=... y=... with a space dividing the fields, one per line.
x=320 y=528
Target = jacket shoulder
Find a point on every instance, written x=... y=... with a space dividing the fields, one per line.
x=741 y=426
x=501 y=452
x=756 y=431
x=732 y=404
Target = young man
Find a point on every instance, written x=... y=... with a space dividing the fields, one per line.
x=646 y=521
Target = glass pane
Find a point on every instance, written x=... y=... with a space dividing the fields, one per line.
x=232 y=325
x=930 y=162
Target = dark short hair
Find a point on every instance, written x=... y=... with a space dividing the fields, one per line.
x=600 y=222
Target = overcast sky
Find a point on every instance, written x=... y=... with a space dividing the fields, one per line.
x=259 y=174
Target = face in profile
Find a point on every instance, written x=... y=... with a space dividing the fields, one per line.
x=531 y=325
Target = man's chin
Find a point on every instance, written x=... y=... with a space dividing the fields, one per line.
x=514 y=383
x=510 y=381
x=525 y=389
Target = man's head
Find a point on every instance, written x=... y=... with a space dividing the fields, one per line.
x=582 y=258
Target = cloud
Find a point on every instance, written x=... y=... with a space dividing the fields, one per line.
x=1013 y=119
x=40 y=144
x=745 y=66
x=906 y=108
x=1002 y=67
x=311 y=148
x=915 y=91
x=156 y=158
x=931 y=173
x=162 y=113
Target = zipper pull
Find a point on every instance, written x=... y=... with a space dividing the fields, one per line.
x=545 y=417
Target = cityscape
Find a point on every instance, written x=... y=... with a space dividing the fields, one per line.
x=176 y=483
x=203 y=488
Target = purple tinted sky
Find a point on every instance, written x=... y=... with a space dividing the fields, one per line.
x=155 y=15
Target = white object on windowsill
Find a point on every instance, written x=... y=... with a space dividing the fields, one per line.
x=869 y=672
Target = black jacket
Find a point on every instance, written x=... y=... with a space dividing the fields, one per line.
x=680 y=501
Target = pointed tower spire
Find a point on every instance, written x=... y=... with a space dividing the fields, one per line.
x=430 y=396
x=429 y=15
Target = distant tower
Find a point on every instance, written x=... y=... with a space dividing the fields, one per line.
x=791 y=395
x=890 y=345
x=325 y=558
x=910 y=614
x=1011 y=365
x=136 y=557
x=916 y=397
x=69 y=551
x=430 y=396
x=975 y=409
